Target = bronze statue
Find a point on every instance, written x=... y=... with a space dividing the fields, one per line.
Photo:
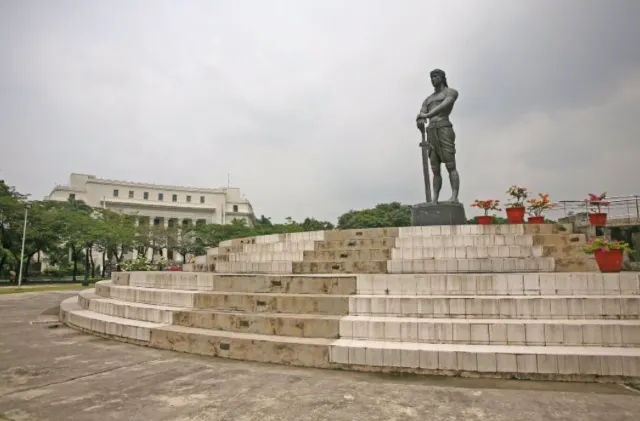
x=440 y=146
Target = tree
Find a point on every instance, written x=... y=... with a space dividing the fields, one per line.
x=312 y=224
x=40 y=234
x=263 y=221
x=115 y=235
x=142 y=238
x=73 y=221
x=11 y=213
x=183 y=240
x=158 y=239
x=383 y=215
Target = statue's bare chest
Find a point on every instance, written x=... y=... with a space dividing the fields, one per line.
x=435 y=99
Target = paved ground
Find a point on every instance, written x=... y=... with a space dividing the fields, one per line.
x=61 y=374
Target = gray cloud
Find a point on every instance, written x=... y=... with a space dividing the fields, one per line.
x=310 y=105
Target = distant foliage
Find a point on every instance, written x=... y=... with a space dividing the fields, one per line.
x=383 y=215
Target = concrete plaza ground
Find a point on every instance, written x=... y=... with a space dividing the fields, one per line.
x=55 y=373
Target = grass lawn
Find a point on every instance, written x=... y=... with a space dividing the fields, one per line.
x=41 y=288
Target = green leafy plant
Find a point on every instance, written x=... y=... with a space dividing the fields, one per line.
x=597 y=202
x=140 y=264
x=537 y=207
x=518 y=196
x=604 y=245
x=487 y=205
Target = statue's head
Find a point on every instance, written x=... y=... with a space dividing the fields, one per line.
x=438 y=77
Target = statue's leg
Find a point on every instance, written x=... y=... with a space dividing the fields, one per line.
x=437 y=175
x=454 y=178
x=448 y=145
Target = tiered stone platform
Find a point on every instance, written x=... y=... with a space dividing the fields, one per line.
x=496 y=301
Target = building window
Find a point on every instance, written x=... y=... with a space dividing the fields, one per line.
x=130 y=194
x=200 y=222
x=72 y=196
x=189 y=199
x=115 y=192
x=160 y=196
x=146 y=195
x=174 y=198
x=201 y=199
x=156 y=221
x=235 y=208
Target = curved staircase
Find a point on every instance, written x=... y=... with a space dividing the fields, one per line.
x=497 y=301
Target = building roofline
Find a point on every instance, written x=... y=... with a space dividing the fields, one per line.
x=98 y=180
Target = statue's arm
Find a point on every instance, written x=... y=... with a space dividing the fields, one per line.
x=447 y=102
x=423 y=111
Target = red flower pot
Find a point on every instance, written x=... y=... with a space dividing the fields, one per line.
x=515 y=215
x=609 y=261
x=598 y=219
x=485 y=220
x=536 y=219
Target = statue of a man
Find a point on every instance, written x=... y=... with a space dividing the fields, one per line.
x=441 y=138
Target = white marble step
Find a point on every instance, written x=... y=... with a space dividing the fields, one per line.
x=277 y=238
x=74 y=315
x=280 y=247
x=166 y=279
x=267 y=256
x=497 y=307
x=155 y=296
x=255 y=267
x=550 y=332
x=514 y=359
x=127 y=309
x=486 y=265
x=458 y=230
x=266 y=248
x=585 y=283
x=465 y=240
x=465 y=252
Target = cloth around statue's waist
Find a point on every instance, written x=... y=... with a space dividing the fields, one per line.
x=439 y=124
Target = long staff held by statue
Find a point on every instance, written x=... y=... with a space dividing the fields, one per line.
x=425 y=161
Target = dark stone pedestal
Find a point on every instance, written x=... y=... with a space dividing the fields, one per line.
x=444 y=213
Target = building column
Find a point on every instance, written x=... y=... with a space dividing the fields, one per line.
x=134 y=252
x=165 y=223
x=150 y=252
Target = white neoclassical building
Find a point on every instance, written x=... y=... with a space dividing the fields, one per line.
x=157 y=204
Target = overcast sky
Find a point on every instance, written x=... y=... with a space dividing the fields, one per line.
x=311 y=105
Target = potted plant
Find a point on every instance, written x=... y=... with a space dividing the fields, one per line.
x=536 y=207
x=608 y=253
x=515 y=207
x=486 y=205
x=597 y=218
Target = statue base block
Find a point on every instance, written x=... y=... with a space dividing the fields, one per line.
x=443 y=213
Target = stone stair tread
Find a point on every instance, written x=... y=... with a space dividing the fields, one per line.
x=207 y=292
x=247 y=336
x=309 y=316
x=491 y=349
x=288 y=275
x=400 y=319
x=496 y=297
x=118 y=320
x=71 y=305
x=342 y=261
x=136 y=304
x=153 y=289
